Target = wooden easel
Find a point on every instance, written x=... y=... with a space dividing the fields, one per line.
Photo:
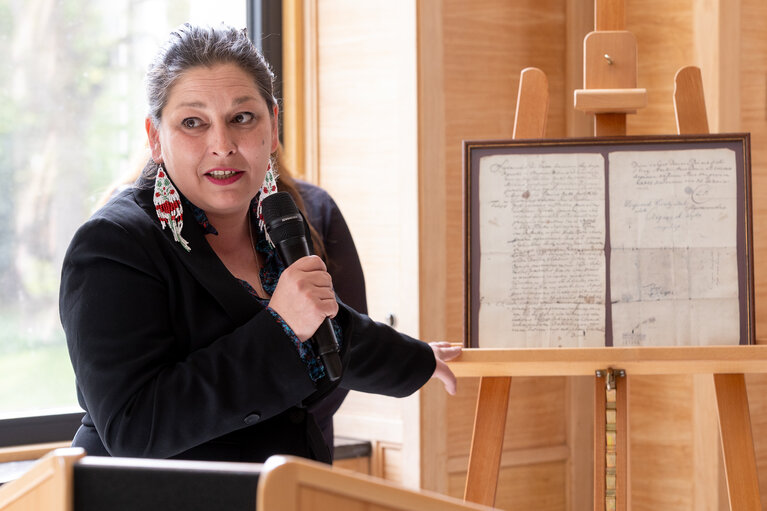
x=610 y=93
x=726 y=363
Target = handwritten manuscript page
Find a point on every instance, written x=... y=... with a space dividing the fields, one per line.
x=671 y=253
x=674 y=267
x=541 y=216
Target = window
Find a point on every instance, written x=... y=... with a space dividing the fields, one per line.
x=71 y=126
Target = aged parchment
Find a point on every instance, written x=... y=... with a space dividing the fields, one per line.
x=542 y=277
x=673 y=260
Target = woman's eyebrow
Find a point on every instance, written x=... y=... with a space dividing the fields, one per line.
x=199 y=104
x=193 y=104
x=243 y=99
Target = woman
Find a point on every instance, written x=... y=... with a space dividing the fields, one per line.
x=186 y=333
x=333 y=239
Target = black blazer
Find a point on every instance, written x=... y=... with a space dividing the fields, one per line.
x=174 y=358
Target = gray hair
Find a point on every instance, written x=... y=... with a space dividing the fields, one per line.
x=192 y=46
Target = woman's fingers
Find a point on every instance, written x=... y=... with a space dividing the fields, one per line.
x=304 y=296
x=444 y=351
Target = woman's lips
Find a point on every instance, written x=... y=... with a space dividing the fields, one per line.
x=223 y=176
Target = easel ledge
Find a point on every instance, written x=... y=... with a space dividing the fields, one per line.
x=645 y=360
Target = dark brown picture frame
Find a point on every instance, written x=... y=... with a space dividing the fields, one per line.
x=473 y=151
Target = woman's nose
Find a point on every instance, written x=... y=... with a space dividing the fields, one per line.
x=222 y=143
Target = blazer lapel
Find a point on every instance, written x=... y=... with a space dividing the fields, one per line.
x=203 y=263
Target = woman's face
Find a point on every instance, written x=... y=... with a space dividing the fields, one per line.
x=215 y=138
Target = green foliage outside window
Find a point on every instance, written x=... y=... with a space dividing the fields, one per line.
x=71 y=124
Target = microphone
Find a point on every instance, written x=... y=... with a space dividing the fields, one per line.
x=285 y=226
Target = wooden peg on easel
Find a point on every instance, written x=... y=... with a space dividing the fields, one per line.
x=610 y=71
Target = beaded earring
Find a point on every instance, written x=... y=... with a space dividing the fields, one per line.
x=167 y=204
x=268 y=188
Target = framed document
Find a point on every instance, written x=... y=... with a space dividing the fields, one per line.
x=629 y=241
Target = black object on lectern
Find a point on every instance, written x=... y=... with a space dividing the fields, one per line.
x=128 y=484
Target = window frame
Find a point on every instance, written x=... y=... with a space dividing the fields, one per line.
x=38 y=429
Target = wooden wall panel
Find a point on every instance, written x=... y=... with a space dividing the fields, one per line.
x=753 y=80
x=753 y=110
x=371 y=417
x=359 y=464
x=661 y=443
x=363 y=64
x=539 y=486
x=757 y=393
x=536 y=416
x=367 y=143
x=536 y=433
x=664 y=33
x=388 y=462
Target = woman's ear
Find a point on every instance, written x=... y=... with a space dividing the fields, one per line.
x=154 y=140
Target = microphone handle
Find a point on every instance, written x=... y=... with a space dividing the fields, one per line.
x=324 y=339
x=325 y=342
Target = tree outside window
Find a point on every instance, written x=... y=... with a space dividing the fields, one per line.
x=71 y=126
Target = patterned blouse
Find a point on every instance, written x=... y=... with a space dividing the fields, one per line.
x=269 y=274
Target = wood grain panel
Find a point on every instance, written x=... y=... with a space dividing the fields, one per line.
x=536 y=414
x=367 y=143
x=389 y=462
x=540 y=487
x=753 y=82
x=371 y=417
x=29 y=452
x=756 y=386
x=359 y=464
x=753 y=98
x=580 y=441
x=662 y=444
x=579 y=22
x=664 y=33
x=293 y=107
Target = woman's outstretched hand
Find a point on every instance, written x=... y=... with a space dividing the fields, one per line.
x=443 y=352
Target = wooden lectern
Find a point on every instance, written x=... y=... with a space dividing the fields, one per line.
x=67 y=480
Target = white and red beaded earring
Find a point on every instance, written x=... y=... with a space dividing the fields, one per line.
x=268 y=188
x=167 y=204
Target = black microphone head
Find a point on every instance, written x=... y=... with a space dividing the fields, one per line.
x=282 y=218
x=277 y=205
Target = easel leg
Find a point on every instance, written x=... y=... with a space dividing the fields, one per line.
x=737 y=442
x=487 y=440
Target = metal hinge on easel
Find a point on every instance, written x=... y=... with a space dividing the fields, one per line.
x=611 y=434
